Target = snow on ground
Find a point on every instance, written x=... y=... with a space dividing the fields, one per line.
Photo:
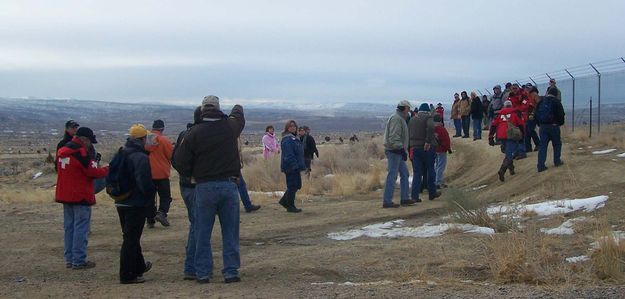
x=577 y=259
x=395 y=229
x=37 y=175
x=274 y=193
x=479 y=187
x=621 y=155
x=398 y=178
x=617 y=236
x=554 y=207
x=565 y=228
x=604 y=151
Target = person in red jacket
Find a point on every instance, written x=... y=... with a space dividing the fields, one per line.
x=440 y=111
x=443 y=147
x=74 y=189
x=161 y=150
x=507 y=117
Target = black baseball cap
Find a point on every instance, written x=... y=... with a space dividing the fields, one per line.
x=86 y=132
x=70 y=124
x=158 y=124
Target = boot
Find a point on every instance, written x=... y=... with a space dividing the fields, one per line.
x=283 y=201
x=503 y=168
x=511 y=167
x=291 y=208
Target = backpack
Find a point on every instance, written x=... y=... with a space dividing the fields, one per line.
x=513 y=132
x=544 y=112
x=118 y=180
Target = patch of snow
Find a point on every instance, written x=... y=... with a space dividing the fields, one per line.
x=398 y=180
x=554 y=207
x=580 y=148
x=604 y=151
x=577 y=259
x=328 y=176
x=479 y=187
x=621 y=155
x=322 y=283
x=273 y=194
x=565 y=228
x=37 y=175
x=394 y=229
x=617 y=236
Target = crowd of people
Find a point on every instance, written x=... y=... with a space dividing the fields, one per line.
x=207 y=156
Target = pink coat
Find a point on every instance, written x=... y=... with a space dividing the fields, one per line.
x=270 y=145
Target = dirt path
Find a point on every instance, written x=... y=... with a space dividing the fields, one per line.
x=288 y=256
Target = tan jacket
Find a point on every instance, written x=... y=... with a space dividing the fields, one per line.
x=455 y=110
x=465 y=107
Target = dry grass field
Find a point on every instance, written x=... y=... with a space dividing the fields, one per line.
x=291 y=256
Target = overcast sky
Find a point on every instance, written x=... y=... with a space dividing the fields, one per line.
x=300 y=51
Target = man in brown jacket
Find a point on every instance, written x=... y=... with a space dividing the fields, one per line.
x=456 y=116
x=465 y=112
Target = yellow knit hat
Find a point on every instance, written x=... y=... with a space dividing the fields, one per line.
x=137 y=131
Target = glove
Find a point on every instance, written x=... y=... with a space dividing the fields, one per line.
x=449 y=151
x=531 y=117
x=491 y=141
x=98 y=157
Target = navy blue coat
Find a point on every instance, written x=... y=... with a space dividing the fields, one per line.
x=292 y=159
x=138 y=166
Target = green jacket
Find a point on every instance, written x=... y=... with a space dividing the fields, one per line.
x=396 y=133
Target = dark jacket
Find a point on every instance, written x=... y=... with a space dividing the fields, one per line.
x=477 y=109
x=66 y=138
x=209 y=151
x=140 y=174
x=76 y=172
x=421 y=130
x=292 y=159
x=183 y=180
x=310 y=146
x=558 y=110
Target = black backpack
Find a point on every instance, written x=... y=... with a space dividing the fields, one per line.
x=118 y=179
x=545 y=113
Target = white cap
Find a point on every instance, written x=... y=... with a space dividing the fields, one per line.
x=404 y=103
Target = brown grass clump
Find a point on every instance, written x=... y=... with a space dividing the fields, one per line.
x=608 y=259
x=525 y=257
x=467 y=209
x=611 y=135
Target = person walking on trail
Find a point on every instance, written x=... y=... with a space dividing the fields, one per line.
x=496 y=103
x=530 y=123
x=187 y=191
x=552 y=85
x=396 y=141
x=477 y=114
x=310 y=148
x=132 y=210
x=456 y=116
x=508 y=127
x=243 y=194
x=209 y=154
x=76 y=170
x=160 y=149
x=440 y=111
x=485 y=105
x=442 y=149
x=550 y=114
x=270 y=143
x=465 y=112
x=422 y=153
x=291 y=164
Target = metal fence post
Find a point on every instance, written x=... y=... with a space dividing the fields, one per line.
x=548 y=76
x=481 y=94
x=488 y=91
x=535 y=84
x=598 y=99
x=590 y=122
x=573 y=100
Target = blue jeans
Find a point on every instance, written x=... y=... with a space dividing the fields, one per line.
x=395 y=164
x=420 y=160
x=458 y=126
x=188 y=195
x=477 y=128
x=549 y=133
x=510 y=148
x=439 y=167
x=76 y=222
x=217 y=198
x=245 y=197
x=466 y=123
x=530 y=134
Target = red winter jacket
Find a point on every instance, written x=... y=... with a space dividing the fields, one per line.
x=440 y=111
x=76 y=171
x=501 y=122
x=442 y=136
